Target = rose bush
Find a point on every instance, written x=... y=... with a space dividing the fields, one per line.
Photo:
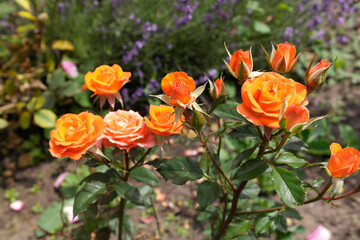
x=75 y=134
x=264 y=95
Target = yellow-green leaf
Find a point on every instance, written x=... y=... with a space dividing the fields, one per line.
x=45 y=118
x=24 y=4
x=26 y=28
x=25 y=120
x=3 y=123
x=27 y=15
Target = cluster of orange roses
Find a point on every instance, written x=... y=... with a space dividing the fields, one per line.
x=269 y=100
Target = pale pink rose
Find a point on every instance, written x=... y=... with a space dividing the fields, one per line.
x=70 y=68
x=60 y=179
x=17 y=206
x=320 y=233
x=68 y=210
x=126 y=130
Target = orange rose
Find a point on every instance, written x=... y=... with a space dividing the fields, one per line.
x=106 y=80
x=178 y=86
x=75 y=134
x=283 y=59
x=241 y=64
x=295 y=116
x=126 y=130
x=162 y=120
x=218 y=86
x=343 y=162
x=264 y=95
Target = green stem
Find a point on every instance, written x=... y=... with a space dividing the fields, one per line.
x=121 y=217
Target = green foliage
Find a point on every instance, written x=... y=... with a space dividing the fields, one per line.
x=87 y=195
x=179 y=170
x=207 y=193
x=11 y=194
x=145 y=175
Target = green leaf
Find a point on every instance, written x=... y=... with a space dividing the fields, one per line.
x=207 y=193
x=3 y=123
x=129 y=192
x=98 y=176
x=290 y=159
x=145 y=175
x=209 y=214
x=245 y=131
x=56 y=79
x=216 y=103
x=4 y=51
x=250 y=191
x=296 y=144
x=288 y=186
x=319 y=147
x=265 y=222
x=179 y=170
x=25 y=120
x=50 y=220
x=237 y=228
x=261 y=27
x=251 y=169
x=45 y=118
x=243 y=155
x=228 y=110
x=87 y=195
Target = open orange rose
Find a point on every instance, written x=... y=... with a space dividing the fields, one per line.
x=75 y=134
x=264 y=95
x=162 y=120
x=106 y=80
x=126 y=130
x=178 y=86
x=343 y=161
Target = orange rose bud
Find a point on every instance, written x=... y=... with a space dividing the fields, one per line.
x=162 y=120
x=343 y=161
x=294 y=118
x=241 y=64
x=263 y=97
x=75 y=134
x=179 y=86
x=283 y=59
x=315 y=77
x=126 y=130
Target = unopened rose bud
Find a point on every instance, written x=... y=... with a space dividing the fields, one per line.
x=283 y=59
x=217 y=88
x=197 y=120
x=294 y=117
x=315 y=76
x=241 y=65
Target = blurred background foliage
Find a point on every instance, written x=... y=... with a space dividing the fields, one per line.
x=150 y=39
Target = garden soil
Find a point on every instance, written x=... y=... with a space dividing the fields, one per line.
x=176 y=213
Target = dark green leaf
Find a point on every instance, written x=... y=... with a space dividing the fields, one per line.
x=147 y=192
x=288 y=186
x=129 y=192
x=87 y=195
x=206 y=216
x=237 y=228
x=243 y=155
x=265 y=222
x=145 y=175
x=296 y=144
x=292 y=213
x=250 y=191
x=319 y=147
x=207 y=193
x=251 y=169
x=25 y=120
x=245 y=131
x=228 y=110
x=98 y=176
x=157 y=162
x=179 y=170
x=290 y=159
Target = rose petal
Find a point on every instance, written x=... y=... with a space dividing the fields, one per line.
x=17 y=206
x=320 y=233
x=60 y=179
x=146 y=220
x=70 y=68
x=68 y=210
